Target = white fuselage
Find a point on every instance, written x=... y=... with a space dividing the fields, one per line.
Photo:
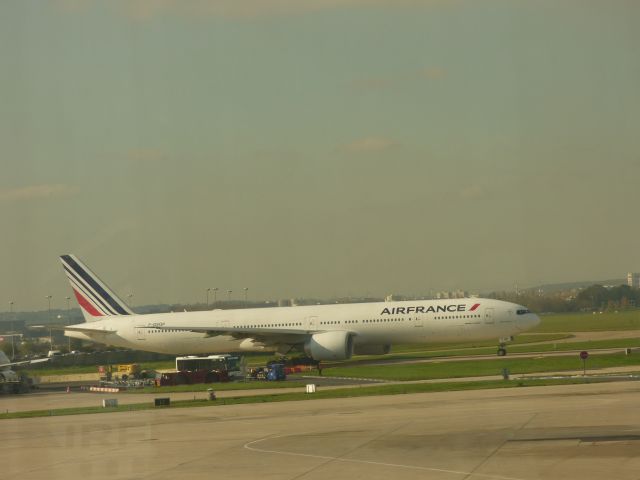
x=382 y=323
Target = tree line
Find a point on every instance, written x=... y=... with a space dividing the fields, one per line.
x=593 y=298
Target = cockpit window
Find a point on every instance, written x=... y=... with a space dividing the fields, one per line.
x=523 y=311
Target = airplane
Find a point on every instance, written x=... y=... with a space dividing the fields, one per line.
x=10 y=381
x=322 y=332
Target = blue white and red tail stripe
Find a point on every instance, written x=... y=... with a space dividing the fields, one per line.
x=94 y=297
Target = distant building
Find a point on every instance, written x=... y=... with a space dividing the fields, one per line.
x=452 y=294
x=7 y=326
x=633 y=280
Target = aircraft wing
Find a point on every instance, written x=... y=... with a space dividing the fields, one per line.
x=88 y=330
x=73 y=328
x=292 y=335
x=23 y=362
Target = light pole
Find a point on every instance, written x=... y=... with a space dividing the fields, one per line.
x=208 y=290
x=67 y=299
x=13 y=344
x=246 y=289
x=129 y=297
x=229 y=294
x=49 y=297
x=215 y=295
x=69 y=338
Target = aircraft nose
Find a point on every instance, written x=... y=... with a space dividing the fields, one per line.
x=535 y=320
x=528 y=321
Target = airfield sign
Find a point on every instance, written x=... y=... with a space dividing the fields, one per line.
x=584 y=355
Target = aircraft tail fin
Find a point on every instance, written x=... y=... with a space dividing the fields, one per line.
x=95 y=298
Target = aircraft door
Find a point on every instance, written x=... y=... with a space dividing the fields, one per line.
x=141 y=333
x=488 y=316
x=312 y=323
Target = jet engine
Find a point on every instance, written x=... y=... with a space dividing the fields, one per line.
x=8 y=376
x=330 y=346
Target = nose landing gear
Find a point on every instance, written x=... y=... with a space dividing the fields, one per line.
x=502 y=347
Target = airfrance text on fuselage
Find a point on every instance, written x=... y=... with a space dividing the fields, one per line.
x=429 y=309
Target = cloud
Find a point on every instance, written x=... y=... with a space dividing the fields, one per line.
x=373 y=83
x=145 y=155
x=474 y=192
x=400 y=80
x=369 y=144
x=433 y=73
x=72 y=6
x=236 y=9
x=35 y=192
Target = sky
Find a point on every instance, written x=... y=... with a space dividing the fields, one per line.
x=318 y=148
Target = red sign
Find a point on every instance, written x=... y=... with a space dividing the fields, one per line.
x=584 y=355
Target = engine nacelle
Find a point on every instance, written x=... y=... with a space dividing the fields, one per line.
x=372 y=349
x=330 y=346
x=8 y=376
x=250 y=345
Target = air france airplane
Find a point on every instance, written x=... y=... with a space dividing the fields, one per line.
x=9 y=379
x=323 y=332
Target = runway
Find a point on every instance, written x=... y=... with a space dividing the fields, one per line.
x=565 y=432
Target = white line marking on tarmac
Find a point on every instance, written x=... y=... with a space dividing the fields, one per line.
x=249 y=446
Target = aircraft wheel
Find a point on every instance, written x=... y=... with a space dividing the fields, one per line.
x=502 y=352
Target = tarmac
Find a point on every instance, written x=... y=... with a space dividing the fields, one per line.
x=568 y=432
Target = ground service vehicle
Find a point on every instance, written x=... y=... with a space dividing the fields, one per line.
x=275 y=372
x=129 y=370
x=231 y=364
x=190 y=377
x=272 y=372
x=124 y=371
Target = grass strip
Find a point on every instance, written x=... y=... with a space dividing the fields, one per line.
x=589 y=322
x=519 y=340
x=201 y=387
x=478 y=368
x=515 y=348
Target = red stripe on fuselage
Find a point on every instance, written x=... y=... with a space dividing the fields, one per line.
x=474 y=307
x=84 y=303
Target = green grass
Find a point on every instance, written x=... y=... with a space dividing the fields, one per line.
x=511 y=347
x=588 y=345
x=252 y=385
x=588 y=322
x=78 y=369
x=319 y=395
x=519 y=340
x=73 y=370
x=477 y=368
